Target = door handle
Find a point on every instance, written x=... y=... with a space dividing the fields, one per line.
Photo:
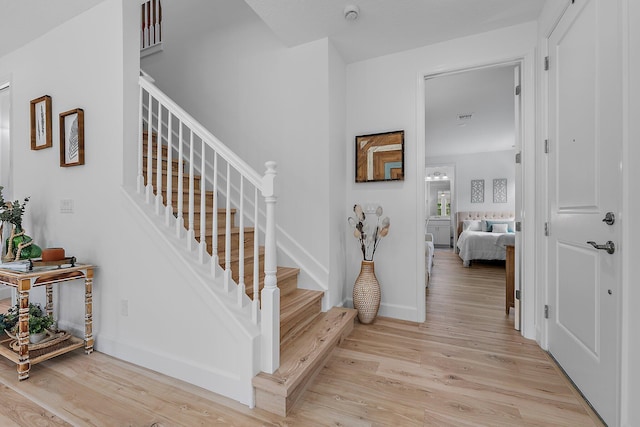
x=610 y=247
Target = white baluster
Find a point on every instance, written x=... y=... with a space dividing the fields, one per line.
x=214 y=232
x=159 y=161
x=169 y=208
x=141 y=26
x=227 y=237
x=157 y=22
x=180 y=218
x=270 y=322
x=152 y=28
x=149 y=188
x=241 y=286
x=255 y=305
x=140 y=183
x=203 y=205
x=146 y=24
x=191 y=231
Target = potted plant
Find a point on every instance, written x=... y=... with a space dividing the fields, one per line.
x=19 y=245
x=39 y=322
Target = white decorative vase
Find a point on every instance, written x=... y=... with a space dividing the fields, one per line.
x=366 y=293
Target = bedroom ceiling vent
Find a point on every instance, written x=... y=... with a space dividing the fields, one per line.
x=464 y=118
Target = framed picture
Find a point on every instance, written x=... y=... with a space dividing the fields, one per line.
x=41 y=120
x=72 y=138
x=380 y=157
x=477 y=191
x=500 y=190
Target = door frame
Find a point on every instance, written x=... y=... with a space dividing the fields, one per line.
x=528 y=273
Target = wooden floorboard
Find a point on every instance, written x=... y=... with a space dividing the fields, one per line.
x=465 y=366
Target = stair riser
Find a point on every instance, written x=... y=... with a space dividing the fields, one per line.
x=174 y=180
x=248 y=243
x=301 y=320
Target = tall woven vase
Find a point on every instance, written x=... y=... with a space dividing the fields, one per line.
x=366 y=293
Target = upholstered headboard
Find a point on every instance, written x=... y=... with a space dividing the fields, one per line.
x=479 y=215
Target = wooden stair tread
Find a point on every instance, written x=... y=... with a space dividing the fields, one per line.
x=301 y=361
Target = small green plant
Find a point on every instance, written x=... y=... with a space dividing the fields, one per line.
x=39 y=321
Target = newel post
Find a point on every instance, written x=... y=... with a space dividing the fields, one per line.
x=270 y=296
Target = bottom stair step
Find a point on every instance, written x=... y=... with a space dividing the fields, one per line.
x=302 y=360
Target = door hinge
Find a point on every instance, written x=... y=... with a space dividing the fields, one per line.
x=518 y=90
x=518 y=226
x=546 y=63
x=518 y=294
x=518 y=158
x=546 y=229
x=546 y=146
x=546 y=311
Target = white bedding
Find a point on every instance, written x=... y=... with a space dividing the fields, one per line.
x=480 y=245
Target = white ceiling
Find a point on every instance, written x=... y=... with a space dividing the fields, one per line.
x=388 y=26
x=24 y=20
x=384 y=26
x=487 y=94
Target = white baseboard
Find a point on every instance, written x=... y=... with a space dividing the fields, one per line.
x=401 y=312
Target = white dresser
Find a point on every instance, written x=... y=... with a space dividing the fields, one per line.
x=440 y=227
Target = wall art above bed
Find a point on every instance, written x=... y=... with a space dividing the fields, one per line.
x=500 y=190
x=477 y=191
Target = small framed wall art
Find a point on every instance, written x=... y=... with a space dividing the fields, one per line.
x=72 y=138
x=477 y=191
x=41 y=120
x=380 y=157
x=500 y=190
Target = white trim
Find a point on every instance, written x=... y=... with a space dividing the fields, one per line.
x=527 y=274
x=150 y=50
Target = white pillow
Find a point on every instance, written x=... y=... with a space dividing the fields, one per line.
x=471 y=225
x=500 y=228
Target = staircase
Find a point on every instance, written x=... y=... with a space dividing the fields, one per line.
x=306 y=335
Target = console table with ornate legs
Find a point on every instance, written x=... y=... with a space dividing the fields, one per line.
x=46 y=276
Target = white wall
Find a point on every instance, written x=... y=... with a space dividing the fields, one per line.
x=382 y=95
x=269 y=102
x=91 y=62
x=487 y=166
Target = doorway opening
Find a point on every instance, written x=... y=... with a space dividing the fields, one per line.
x=472 y=123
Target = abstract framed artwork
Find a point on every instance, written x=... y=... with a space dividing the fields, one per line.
x=500 y=190
x=477 y=191
x=41 y=121
x=380 y=157
x=72 y=138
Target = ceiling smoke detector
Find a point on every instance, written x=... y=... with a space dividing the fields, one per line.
x=351 y=12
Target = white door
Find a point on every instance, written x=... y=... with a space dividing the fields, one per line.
x=585 y=136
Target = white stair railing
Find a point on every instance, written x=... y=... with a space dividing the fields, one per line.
x=151 y=24
x=173 y=144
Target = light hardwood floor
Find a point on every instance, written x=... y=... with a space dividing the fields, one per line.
x=465 y=366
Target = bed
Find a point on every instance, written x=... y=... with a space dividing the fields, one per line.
x=484 y=235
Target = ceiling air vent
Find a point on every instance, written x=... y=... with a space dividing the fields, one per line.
x=464 y=118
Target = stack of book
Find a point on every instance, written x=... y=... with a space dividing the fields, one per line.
x=24 y=265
